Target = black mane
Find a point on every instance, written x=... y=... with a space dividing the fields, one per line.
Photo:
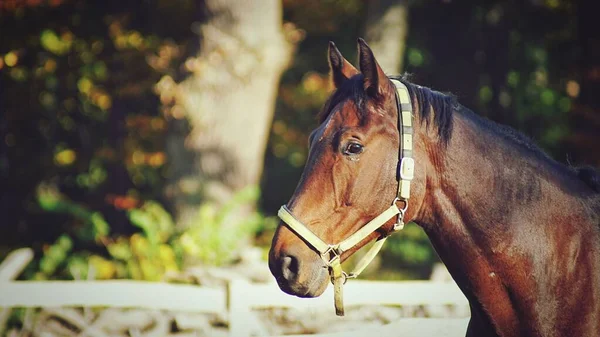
x=590 y=176
x=428 y=100
x=350 y=89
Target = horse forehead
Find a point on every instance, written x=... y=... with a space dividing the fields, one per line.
x=345 y=114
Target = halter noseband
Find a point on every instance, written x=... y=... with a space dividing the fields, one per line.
x=331 y=254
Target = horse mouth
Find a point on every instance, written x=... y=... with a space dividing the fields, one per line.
x=314 y=288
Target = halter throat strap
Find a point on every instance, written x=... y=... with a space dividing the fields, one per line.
x=331 y=254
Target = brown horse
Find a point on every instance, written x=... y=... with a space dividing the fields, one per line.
x=519 y=232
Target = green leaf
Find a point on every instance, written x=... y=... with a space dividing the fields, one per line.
x=53 y=43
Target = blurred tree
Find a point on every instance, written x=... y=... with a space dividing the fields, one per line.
x=78 y=81
x=80 y=114
x=222 y=111
x=305 y=87
x=63 y=94
x=387 y=26
x=509 y=61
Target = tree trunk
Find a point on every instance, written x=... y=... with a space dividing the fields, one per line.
x=228 y=102
x=386 y=32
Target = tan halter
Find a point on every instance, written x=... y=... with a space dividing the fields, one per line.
x=331 y=254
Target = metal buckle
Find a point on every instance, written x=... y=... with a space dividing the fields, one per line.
x=399 y=225
x=407 y=168
x=330 y=255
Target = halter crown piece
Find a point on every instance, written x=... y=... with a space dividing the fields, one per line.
x=331 y=254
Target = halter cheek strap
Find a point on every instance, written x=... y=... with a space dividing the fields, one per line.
x=406 y=169
x=331 y=254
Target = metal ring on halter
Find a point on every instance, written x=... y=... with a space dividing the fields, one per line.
x=400 y=220
x=403 y=209
x=346 y=276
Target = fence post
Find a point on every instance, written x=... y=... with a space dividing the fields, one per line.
x=239 y=309
x=14 y=264
x=10 y=269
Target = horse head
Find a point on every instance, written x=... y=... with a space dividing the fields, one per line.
x=350 y=176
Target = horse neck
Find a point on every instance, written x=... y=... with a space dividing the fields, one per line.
x=485 y=185
x=493 y=211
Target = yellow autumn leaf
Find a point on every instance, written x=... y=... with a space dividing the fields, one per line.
x=104 y=269
x=11 y=59
x=65 y=157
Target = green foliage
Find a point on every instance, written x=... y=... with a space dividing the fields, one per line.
x=156 y=223
x=54 y=43
x=94 y=226
x=55 y=255
x=538 y=100
x=82 y=104
x=213 y=238
x=410 y=247
x=216 y=231
x=93 y=122
x=415 y=57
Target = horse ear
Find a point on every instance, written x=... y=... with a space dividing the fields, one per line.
x=341 y=69
x=374 y=77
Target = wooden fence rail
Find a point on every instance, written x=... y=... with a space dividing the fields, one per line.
x=245 y=297
x=239 y=301
x=115 y=294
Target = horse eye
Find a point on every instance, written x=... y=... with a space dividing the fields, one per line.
x=353 y=148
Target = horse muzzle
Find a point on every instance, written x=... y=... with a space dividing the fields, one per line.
x=298 y=270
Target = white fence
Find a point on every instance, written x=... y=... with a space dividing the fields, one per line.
x=238 y=302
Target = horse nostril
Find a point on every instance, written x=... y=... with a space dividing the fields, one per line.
x=289 y=267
